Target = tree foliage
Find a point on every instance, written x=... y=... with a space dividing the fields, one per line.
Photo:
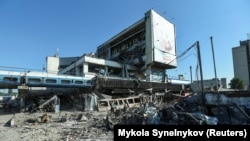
x=237 y=83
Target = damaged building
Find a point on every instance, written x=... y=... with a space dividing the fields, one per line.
x=132 y=62
x=127 y=79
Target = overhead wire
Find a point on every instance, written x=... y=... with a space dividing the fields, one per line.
x=182 y=54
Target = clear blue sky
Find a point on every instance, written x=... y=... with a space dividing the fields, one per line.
x=30 y=30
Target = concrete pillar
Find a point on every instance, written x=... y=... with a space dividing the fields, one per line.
x=78 y=73
x=148 y=74
x=85 y=68
x=22 y=104
x=106 y=70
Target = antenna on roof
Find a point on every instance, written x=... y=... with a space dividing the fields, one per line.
x=57 y=52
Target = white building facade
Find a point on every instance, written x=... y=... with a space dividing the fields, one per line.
x=241 y=61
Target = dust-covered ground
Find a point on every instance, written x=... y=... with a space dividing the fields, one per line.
x=67 y=125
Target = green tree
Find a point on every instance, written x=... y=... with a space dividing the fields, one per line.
x=237 y=83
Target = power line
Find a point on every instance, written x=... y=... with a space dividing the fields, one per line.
x=182 y=54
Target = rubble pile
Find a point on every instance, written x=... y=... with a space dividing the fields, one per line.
x=65 y=126
x=74 y=125
x=166 y=115
x=187 y=111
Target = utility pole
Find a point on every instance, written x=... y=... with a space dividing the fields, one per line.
x=211 y=38
x=191 y=74
x=199 y=60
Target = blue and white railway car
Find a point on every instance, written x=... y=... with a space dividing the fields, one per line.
x=43 y=79
x=10 y=79
x=176 y=85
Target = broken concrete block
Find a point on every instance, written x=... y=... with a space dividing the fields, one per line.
x=13 y=122
x=82 y=117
